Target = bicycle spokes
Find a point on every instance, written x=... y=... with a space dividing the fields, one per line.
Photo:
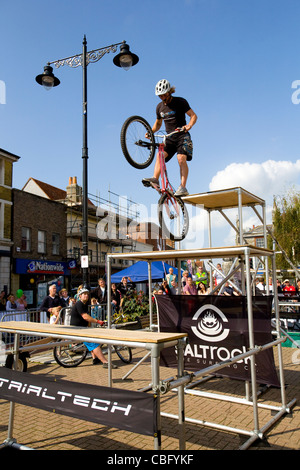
x=173 y=217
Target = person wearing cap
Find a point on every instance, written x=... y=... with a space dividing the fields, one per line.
x=172 y=110
x=80 y=317
x=288 y=288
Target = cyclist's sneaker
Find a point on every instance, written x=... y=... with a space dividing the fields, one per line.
x=150 y=182
x=181 y=191
x=113 y=366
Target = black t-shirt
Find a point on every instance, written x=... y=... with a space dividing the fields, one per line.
x=76 y=314
x=173 y=113
x=50 y=302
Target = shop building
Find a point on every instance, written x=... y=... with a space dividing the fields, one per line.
x=39 y=249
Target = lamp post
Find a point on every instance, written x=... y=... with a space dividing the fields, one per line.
x=125 y=59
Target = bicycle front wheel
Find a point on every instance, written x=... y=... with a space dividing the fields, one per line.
x=173 y=217
x=137 y=149
x=70 y=355
x=124 y=353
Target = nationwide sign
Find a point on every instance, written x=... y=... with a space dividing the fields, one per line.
x=25 y=266
x=123 y=409
x=217 y=328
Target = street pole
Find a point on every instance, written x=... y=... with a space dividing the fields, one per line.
x=125 y=59
x=85 y=270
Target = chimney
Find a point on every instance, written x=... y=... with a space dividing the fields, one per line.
x=74 y=192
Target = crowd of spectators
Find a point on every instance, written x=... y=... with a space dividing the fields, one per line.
x=197 y=284
x=191 y=284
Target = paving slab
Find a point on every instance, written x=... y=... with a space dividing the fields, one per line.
x=43 y=430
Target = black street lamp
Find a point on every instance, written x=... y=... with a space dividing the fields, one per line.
x=125 y=59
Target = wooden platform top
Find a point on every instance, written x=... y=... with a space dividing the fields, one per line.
x=201 y=253
x=62 y=331
x=223 y=199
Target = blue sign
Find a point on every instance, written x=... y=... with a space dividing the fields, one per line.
x=27 y=266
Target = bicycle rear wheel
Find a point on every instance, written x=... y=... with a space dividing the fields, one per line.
x=124 y=353
x=70 y=355
x=138 y=150
x=173 y=217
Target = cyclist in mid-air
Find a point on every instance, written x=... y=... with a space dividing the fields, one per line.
x=172 y=111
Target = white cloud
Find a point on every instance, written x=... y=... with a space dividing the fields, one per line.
x=264 y=179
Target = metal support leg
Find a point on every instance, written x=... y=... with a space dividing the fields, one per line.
x=181 y=411
x=155 y=355
x=12 y=404
x=251 y=344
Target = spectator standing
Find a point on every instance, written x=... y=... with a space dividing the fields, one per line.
x=50 y=301
x=184 y=278
x=260 y=287
x=298 y=288
x=201 y=276
x=165 y=287
x=22 y=302
x=115 y=297
x=126 y=287
x=279 y=287
x=217 y=274
x=11 y=304
x=174 y=288
x=2 y=301
x=170 y=276
x=190 y=288
x=288 y=288
x=64 y=297
x=100 y=292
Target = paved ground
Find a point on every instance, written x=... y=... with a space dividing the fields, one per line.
x=47 y=431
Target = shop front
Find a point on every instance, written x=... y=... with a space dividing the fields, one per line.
x=35 y=277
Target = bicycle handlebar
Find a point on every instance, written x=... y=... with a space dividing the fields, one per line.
x=164 y=136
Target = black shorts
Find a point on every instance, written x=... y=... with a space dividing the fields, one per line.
x=181 y=144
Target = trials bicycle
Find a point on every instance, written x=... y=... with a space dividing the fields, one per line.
x=139 y=152
x=71 y=355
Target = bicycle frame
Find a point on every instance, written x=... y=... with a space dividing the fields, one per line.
x=166 y=186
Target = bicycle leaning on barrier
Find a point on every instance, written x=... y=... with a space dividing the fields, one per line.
x=138 y=146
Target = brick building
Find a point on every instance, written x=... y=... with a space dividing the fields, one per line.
x=7 y=160
x=39 y=251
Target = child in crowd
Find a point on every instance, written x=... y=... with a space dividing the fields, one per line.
x=54 y=319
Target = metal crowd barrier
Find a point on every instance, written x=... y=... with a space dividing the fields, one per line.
x=31 y=315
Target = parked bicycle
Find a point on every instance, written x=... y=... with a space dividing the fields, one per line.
x=66 y=353
x=71 y=355
x=139 y=152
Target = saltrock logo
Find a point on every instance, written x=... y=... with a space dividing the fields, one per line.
x=210 y=324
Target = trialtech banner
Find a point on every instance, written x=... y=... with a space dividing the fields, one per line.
x=123 y=409
x=217 y=328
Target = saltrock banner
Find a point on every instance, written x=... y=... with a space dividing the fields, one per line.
x=217 y=328
x=123 y=409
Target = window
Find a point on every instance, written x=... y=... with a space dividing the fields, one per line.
x=55 y=243
x=76 y=252
x=260 y=242
x=26 y=239
x=41 y=241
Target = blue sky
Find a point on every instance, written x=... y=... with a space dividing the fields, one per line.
x=235 y=61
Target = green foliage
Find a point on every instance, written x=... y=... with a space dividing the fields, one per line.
x=286 y=226
x=134 y=304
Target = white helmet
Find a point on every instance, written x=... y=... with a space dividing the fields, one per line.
x=162 y=87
